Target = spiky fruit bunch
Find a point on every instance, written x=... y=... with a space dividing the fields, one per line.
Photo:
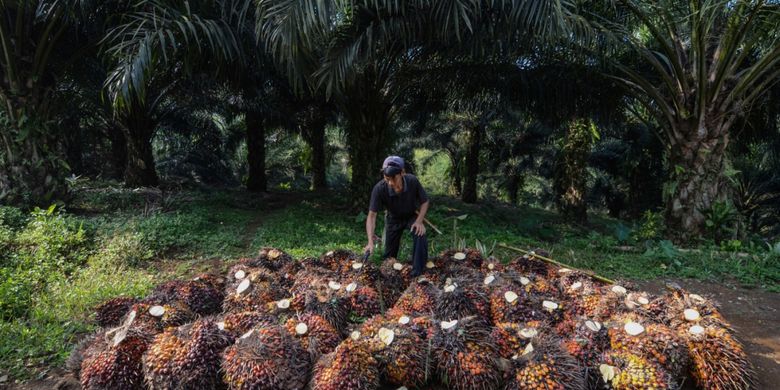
x=200 y=296
x=511 y=304
x=252 y=291
x=491 y=264
x=266 y=358
x=364 y=302
x=542 y=365
x=271 y=258
x=511 y=338
x=402 y=355
x=85 y=349
x=110 y=312
x=288 y=273
x=528 y=265
x=462 y=299
x=395 y=273
x=328 y=304
x=470 y=257
x=542 y=287
x=575 y=284
x=655 y=342
x=349 y=367
x=718 y=361
x=237 y=324
x=215 y=281
x=186 y=357
x=115 y=363
x=338 y=260
x=600 y=306
x=681 y=309
x=418 y=299
x=627 y=371
x=155 y=318
x=362 y=273
x=465 y=355
x=315 y=334
x=639 y=302
x=587 y=341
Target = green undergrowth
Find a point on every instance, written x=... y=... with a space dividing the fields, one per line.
x=57 y=264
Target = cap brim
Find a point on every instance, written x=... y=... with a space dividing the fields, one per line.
x=391 y=171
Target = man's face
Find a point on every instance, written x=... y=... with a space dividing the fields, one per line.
x=395 y=182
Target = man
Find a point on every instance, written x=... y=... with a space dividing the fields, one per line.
x=401 y=194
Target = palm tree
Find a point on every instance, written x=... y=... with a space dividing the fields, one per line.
x=703 y=63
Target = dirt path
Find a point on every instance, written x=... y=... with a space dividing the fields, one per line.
x=755 y=315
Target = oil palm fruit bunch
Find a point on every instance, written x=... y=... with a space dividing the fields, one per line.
x=115 y=363
x=510 y=338
x=418 y=299
x=542 y=364
x=510 y=303
x=339 y=260
x=575 y=284
x=271 y=258
x=602 y=305
x=491 y=264
x=200 y=296
x=622 y=370
x=364 y=301
x=639 y=302
x=541 y=286
x=350 y=367
x=252 y=290
x=266 y=358
x=237 y=324
x=155 y=318
x=362 y=273
x=110 y=312
x=528 y=265
x=395 y=273
x=215 y=281
x=464 y=354
x=327 y=303
x=468 y=256
x=654 y=342
x=681 y=309
x=718 y=361
x=315 y=334
x=587 y=341
x=460 y=299
x=402 y=355
x=186 y=357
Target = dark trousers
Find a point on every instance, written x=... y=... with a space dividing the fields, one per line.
x=419 y=244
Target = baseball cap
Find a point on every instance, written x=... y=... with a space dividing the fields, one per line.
x=392 y=165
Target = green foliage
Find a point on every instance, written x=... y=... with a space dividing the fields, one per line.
x=650 y=227
x=721 y=221
x=12 y=217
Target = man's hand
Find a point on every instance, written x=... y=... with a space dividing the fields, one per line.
x=418 y=228
x=369 y=248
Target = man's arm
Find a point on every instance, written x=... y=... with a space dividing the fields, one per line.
x=370 y=228
x=419 y=227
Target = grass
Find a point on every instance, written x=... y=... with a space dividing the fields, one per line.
x=122 y=242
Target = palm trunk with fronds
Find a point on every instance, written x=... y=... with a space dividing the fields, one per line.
x=255 y=143
x=569 y=177
x=473 y=144
x=138 y=129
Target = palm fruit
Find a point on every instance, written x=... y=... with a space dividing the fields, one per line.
x=425 y=327
x=364 y=302
x=402 y=355
x=362 y=273
x=349 y=367
x=325 y=302
x=395 y=274
x=491 y=264
x=252 y=291
x=155 y=318
x=465 y=355
x=627 y=371
x=575 y=284
x=470 y=257
x=600 y=306
x=339 y=260
x=509 y=303
x=370 y=326
x=266 y=358
x=288 y=273
x=315 y=334
x=216 y=281
x=718 y=361
x=510 y=338
x=85 y=349
x=587 y=341
x=528 y=265
x=655 y=342
x=639 y=302
x=418 y=299
x=462 y=299
x=680 y=310
x=269 y=258
x=110 y=312
x=237 y=324
x=200 y=296
x=542 y=364
x=115 y=363
x=186 y=357
x=541 y=286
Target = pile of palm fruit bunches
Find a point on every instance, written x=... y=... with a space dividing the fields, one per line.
x=469 y=322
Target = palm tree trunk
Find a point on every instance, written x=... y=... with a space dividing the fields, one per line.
x=469 y=194
x=118 y=152
x=255 y=143
x=313 y=125
x=140 y=170
x=570 y=172
x=697 y=167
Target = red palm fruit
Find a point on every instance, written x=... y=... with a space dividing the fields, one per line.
x=460 y=299
x=85 y=349
x=186 y=357
x=718 y=360
x=575 y=284
x=215 y=281
x=508 y=303
x=469 y=257
x=418 y=299
x=200 y=296
x=654 y=342
x=155 y=318
x=622 y=370
x=395 y=275
x=237 y=324
x=270 y=258
x=402 y=355
x=542 y=365
x=314 y=333
x=328 y=304
x=115 y=363
x=339 y=260
x=510 y=338
x=364 y=301
x=351 y=366
x=587 y=341
x=465 y=355
x=110 y=312
x=528 y=265
x=491 y=264
x=266 y=358
x=252 y=292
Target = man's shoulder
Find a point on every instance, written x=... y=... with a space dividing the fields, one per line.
x=380 y=184
x=412 y=179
